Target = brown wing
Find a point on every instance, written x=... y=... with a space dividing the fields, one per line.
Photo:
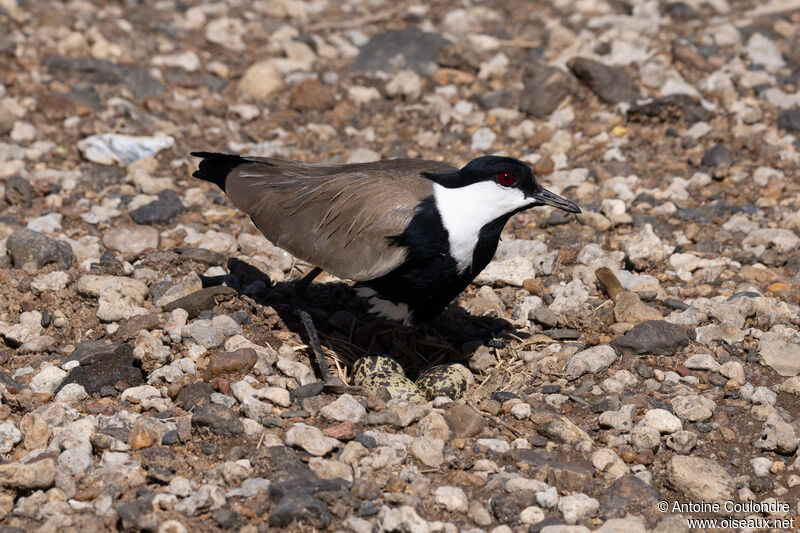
x=339 y=218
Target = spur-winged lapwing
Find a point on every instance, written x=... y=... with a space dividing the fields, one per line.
x=412 y=233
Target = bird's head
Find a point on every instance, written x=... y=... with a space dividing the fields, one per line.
x=502 y=181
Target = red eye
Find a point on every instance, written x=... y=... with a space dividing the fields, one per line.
x=506 y=179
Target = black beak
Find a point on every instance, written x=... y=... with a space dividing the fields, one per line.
x=545 y=197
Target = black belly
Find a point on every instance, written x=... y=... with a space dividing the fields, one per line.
x=429 y=279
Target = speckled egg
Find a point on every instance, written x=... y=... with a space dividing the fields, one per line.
x=372 y=363
x=399 y=386
x=442 y=380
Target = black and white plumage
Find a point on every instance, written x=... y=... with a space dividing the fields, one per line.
x=412 y=233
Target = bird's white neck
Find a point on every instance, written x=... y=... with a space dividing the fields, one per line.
x=465 y=210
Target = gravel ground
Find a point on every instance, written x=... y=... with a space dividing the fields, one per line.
x=652 y=350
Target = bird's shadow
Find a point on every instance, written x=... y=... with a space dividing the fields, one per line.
x=347 y=329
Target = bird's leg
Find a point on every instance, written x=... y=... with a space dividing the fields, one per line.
x=461 y=334
x=300 y=291
x=301 y=287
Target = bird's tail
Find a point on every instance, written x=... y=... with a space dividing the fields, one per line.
x=215 y=167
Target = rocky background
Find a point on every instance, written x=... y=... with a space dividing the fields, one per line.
x=652 y=348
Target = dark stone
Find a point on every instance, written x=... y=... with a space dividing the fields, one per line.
x=90 y=351
x=302 y=481
x=46 y=319
x=464 y=420
x=136 y=79
x=367 y=441
x=199 y=301
x=406 y=49
x=162 y=211
x=669 y=109
x=457 y=56
x=228 y=519
x=657 y=337
x=504 y=508
x=161 y=475
x=707 y=213
x=503 y=396
x=507 y=97
x=218 y=419
x=368 y=508
x=545 y=89
x=162 y=457
x=538 y=526
x=611 y=84
x=680 y=10
x=761 y=484
x=108 y=264
x=35 y=250
x=101 y=367
x=300 y=507
x=309 y=390
x=643 y=370
x=630 y=492
x=194 y=395
x=789 y=120
x=137 y=515
x=131 y=327
x=19 y=191
x=676 y=304
x=202 y=255
x=565 y=475
x=295 y=413
x=606 y=404
x=550 y=389
x=209 y=448
x=563 y=334
x=718 y=155
x=169 y=438
x=544 y=316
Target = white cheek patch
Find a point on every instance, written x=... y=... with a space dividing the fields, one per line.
x=465 y=210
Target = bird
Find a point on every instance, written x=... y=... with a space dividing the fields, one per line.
x=411 y=233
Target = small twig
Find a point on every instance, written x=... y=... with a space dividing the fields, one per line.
x=325 y=372
x=353 y=23
x=499 y=422
x=521 y=43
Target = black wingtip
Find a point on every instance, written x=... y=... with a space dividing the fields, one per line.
x=215 y=167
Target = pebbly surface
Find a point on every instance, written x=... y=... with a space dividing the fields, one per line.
x=652 y=349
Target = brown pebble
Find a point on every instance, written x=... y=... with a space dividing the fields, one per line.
x=629 y=456
x=609 y=281
x=727 y=434
x=533 y=286
x=395 y=484
x=464 y=420
x=141 y=437
x=311 y=95
x=544 y=166
x=344 y=431
x=491 y=406
x=366 y=489
x=175 y=388
x=374 y=403
x=645 y=457
x=221 y=385
x=241 y=360
x=683 y=371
